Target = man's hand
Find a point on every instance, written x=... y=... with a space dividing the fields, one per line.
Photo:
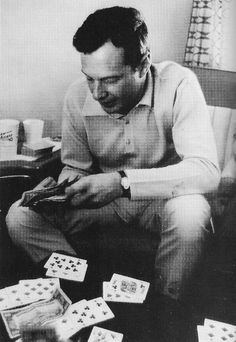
x=95 y=191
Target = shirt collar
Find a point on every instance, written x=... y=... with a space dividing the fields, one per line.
x=146 y=100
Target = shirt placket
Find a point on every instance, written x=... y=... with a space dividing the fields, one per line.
x=128 y=135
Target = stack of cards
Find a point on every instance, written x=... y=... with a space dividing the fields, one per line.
x=104 y=335
x=214 y=331
x=27 y=291
x=125 y=289
x=82 y=314
x=66 y=267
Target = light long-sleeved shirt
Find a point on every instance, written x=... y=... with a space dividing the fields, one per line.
x=165 y=143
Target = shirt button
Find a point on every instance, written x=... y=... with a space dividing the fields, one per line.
x=128 y=141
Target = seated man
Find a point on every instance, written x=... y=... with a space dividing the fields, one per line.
x=140 y=138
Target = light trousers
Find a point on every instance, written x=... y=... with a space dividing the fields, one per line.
x=181 y=222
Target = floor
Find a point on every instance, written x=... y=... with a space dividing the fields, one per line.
x=213 y=293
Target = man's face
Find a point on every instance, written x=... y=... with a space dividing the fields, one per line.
x=113 y=84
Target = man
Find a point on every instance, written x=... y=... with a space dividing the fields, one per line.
x=140 y=138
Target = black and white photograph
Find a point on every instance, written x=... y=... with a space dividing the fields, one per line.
x=117 y=171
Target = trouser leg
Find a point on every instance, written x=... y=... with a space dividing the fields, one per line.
x=39 y=235
x=35 y=234
x=183 y=234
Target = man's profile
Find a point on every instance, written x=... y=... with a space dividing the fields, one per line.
x=139 y=137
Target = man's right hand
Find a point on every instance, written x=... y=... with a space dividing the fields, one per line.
x=95 y=191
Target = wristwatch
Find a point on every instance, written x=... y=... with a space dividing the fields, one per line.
x=125 y=183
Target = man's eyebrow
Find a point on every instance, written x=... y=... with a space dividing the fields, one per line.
x=104 y=78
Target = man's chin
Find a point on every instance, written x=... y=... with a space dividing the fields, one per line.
x=110 y=109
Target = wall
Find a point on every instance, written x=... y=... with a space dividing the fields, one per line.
x=39 y=62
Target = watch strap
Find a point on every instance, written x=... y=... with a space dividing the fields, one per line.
x=126 y=192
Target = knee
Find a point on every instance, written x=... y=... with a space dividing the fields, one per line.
x=15 y=222
x=189 y=216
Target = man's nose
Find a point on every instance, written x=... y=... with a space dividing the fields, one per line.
x=98 y=91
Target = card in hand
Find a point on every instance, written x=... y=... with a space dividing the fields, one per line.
x=104 y=335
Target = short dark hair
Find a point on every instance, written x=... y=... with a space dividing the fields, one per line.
x=123 y=26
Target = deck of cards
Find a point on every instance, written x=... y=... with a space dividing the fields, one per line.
x=125 y=289
x=66 y=267
x=27 y=291
x=215 y=331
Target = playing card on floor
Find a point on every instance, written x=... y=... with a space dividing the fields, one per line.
x=101 y=310
x=104 y=335
x=37 y=289
x=4 y=299
x=219 y=331
x=66 y=267
x=71 y=273
x=130 y=286
x=86 y=313
x=57 y=259
x=111 y=295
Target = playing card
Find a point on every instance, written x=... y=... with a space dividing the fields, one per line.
x=15 y=295
x=219 y=331
x=130 y=286
x=66 y=267
x=64 y=327
x=86 y=313
x=100 y=309
x=202 y=334
x=74 y=315
x=37 y=289
x=76 y=273
x=4 y=299
x=110 y=295
x=57 y=259
x=104 y=335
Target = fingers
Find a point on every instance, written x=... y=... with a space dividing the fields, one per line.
x=79 y=200
x=78 y=193
x=78 y=187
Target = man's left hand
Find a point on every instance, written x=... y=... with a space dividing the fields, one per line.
x=95 y=191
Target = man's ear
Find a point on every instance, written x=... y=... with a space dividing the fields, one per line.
x=145 y=64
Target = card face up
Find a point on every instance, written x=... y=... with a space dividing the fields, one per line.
x=66 y=267
x=104 y=335
x=125 y=289
x=215 y=331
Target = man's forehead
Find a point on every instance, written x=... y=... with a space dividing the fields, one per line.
x=107 y=56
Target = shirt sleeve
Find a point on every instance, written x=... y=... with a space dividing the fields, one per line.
x=75 y=153
x=198 y=171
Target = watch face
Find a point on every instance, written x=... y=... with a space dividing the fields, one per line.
x=125 y=183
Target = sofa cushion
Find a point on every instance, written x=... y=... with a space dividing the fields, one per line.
x=224 y=127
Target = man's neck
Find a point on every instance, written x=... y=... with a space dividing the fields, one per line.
x=138 y=97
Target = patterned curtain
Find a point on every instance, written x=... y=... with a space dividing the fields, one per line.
x=210 y=37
